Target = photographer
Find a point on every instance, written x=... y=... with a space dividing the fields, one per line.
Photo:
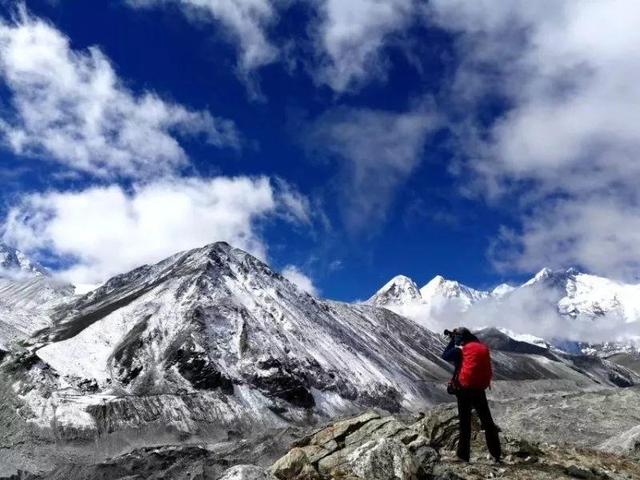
x=471 y=377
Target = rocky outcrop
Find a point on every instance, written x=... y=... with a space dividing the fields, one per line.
x=373 y=447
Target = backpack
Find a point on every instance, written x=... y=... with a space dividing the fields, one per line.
x=475 y=370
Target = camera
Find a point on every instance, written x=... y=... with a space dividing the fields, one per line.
x=449 y=333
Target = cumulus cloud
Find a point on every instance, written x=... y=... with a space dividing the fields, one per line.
x=567 y=144
x=244 y=20
x=534 y=311
x=71 y=107
x=300 y=279
x=351 y=36
x=102 y=231
x=601 y=233
x=377 y=151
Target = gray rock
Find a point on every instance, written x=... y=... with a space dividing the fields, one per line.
x=246 y=472
x=317 y=452
x=340 y=430
x=383 y=459
x=291 y=465
x=577 y=472
x=425 y=455
x=440 y=426
x=334 y=461
x=370 y=428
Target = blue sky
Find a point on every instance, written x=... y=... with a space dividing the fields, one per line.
x=343 y=141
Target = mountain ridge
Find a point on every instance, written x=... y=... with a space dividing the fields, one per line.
x=570 y=293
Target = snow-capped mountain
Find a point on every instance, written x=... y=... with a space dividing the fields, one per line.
x=211 y=341
x=25 y=305
x=402 y=290
x=14 y=262
x=399 y=290
x=214 y=335
x=576 y=293
x=428 y=305
x=439 y=288
x=569 y=294
x=581 y=294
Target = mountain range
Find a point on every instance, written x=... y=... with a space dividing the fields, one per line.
x=561 y=306
x=212 y=343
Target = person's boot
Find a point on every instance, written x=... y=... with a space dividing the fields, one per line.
x=460 y=457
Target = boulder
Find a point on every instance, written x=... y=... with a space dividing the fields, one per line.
x=294 y=465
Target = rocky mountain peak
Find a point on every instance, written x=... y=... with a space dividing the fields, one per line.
x=555 y=278
x=539 y=277
x=444 y=288
x=442 y=285
x=13 y=261
x=399 y=290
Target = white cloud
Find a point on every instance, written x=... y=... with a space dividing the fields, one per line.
x=70 y=106
x=298 y=278
x=531 y=311
x=107 y=230
x=567 y=146
x=601 y=234
x=377 y=151
x=295 y=204
x=351 y=37
x=245 y=21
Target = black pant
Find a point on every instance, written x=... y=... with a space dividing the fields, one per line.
x=468 y=399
